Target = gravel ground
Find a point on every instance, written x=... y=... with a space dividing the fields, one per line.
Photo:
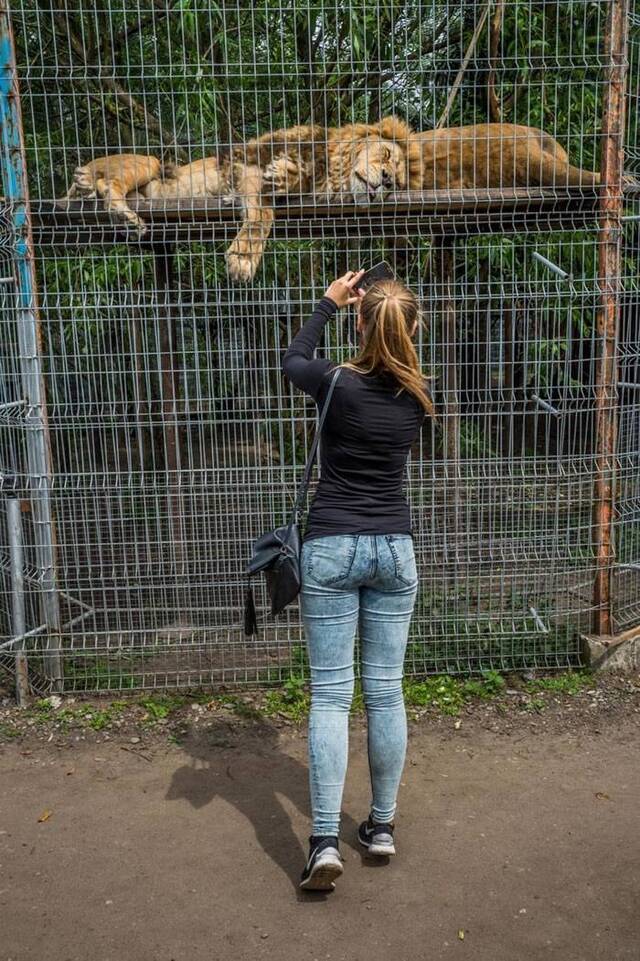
x=128 y=836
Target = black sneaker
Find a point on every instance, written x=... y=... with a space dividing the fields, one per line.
x=377 y=838
x=324 y=864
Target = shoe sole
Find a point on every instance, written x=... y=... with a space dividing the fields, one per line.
x=378 y=850
x=322 y=876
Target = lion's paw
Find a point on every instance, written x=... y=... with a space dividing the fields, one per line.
x=132 y=225
x=240 y=267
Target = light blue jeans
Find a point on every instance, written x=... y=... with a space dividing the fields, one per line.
x=370 y=581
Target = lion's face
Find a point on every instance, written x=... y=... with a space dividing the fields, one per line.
x=379 y=166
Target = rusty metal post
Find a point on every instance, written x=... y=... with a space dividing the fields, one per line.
x=606 y=396
x=14 y=175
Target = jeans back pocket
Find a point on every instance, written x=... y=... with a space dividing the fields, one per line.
x=404 y=558
x=329 y=560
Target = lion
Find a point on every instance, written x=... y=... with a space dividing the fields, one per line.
x=364 y=160
x=495 y=155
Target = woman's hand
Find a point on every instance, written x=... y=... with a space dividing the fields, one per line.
x=344 y=291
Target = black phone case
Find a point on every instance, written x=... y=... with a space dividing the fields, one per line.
x=381 y=271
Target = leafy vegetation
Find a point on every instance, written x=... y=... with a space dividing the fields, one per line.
x=181 y=80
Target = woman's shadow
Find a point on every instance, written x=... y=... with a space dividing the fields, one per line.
x=247 y=768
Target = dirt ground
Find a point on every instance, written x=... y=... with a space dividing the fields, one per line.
x=518 y=840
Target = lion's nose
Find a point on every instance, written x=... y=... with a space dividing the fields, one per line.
x=387 y=179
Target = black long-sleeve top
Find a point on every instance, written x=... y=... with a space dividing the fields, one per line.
x=366 y=440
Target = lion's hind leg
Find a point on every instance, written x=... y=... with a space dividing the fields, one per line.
x=115 y=203
x=82 y=186
x=84 y=182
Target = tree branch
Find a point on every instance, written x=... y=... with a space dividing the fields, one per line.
x=140 y=116
x=495 y=29
x=465 y=63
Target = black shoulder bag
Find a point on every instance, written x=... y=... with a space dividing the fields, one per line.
x=277 y=552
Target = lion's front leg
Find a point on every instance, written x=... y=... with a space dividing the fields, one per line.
x=245 y=252
x=285 y=175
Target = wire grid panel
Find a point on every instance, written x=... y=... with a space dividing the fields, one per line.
x=165 y=308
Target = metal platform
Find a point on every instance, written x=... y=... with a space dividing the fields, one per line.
x=436 y=213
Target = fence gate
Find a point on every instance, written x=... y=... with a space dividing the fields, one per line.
x=147 y=435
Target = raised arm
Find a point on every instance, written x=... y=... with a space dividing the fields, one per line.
x=300 y=366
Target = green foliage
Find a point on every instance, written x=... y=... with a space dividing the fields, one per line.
x=449 y=694
x=8 y=731
x=230 y=71
x=161 y=706
x=291 y=701
x=571 y=683
x=76 y=715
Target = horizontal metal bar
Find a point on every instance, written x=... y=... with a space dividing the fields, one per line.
x=74 y=600
x=545 y=405
x=551 y=266
x=22 y=637
x=297 y=217
x=77 y=620
x=12 y=404
x=539 y=622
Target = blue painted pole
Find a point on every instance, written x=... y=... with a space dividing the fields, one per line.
x=16 y=192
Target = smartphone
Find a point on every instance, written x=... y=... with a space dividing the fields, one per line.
x=381 y=271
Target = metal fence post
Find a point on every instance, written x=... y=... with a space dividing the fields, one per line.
x=18 y=621
x=13 y=164
x=608 y=318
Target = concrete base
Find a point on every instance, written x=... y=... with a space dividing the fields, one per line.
x=620 y=652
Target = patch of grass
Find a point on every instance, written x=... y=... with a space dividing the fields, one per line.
x=570 y=683
x=357 y=705
x=161 y=706
x=238 y=705
x=8 y=730
x=442 y=692
x=491 y=685
x=84 y=715
x=292 y=700
x=448 y=694
x=98 y=718
x=41 y=711
x=535 y=704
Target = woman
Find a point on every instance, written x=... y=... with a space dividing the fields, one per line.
x=358 y=564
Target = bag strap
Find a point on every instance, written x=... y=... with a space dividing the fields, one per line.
x=304 y=486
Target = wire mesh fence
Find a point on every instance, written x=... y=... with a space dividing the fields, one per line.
x=147 y=436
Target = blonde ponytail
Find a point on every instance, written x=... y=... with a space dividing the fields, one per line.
x=389 y=311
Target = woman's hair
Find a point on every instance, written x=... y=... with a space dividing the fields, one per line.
x=389 y=311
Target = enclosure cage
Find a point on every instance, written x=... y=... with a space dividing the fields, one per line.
x=147 y=435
